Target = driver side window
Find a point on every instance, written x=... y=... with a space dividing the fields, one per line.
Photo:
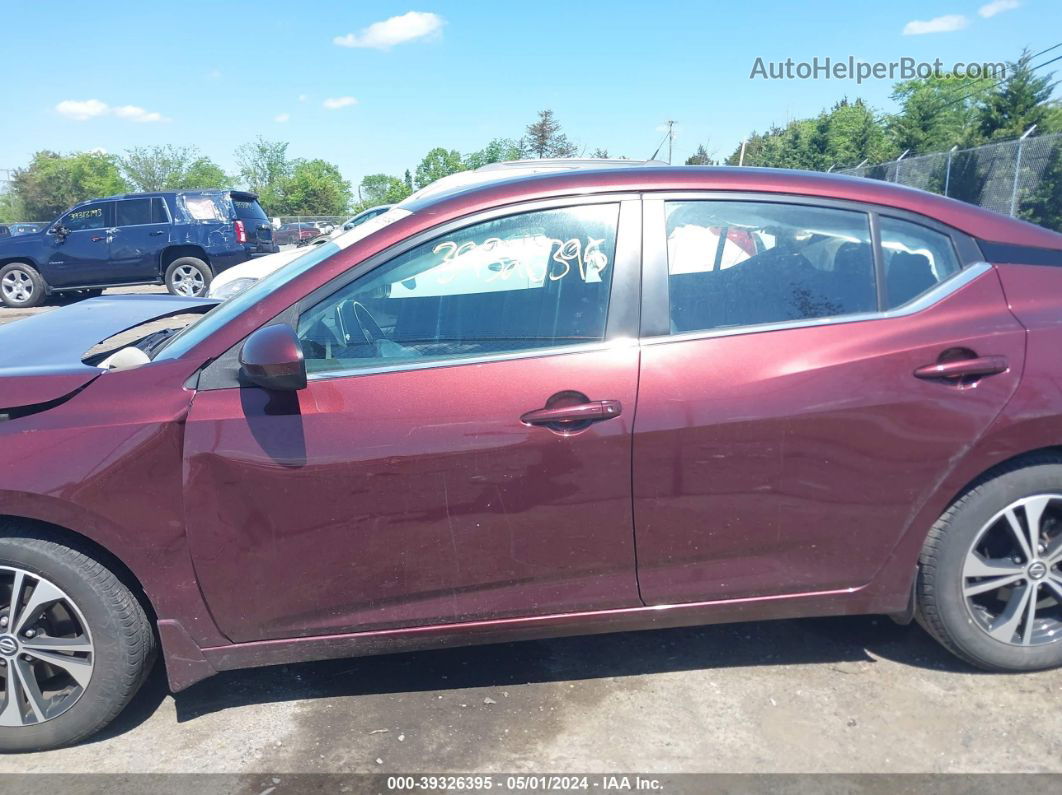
x=536 y=280
x=94 y=216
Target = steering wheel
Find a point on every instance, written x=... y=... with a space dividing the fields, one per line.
x=370 y=329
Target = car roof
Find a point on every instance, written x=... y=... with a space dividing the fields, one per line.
x=972 y=220
x=169 y=193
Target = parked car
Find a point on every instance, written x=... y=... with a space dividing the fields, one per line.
x=297 y=233
x=365 y=215
x=178 y=238
x=536 y=408
x=18 y=228
x=242 y=277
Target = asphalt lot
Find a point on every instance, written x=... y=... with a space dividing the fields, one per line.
x=847 y=695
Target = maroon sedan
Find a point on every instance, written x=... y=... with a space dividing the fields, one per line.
x=576 y=403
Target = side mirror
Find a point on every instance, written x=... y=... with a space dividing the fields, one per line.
x=272 y=359
x=60 y=231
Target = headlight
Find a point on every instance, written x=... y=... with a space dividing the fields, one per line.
x=230 y=289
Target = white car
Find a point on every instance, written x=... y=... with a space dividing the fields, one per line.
x=237 y=279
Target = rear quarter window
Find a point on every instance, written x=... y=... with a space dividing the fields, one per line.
x=204 y=208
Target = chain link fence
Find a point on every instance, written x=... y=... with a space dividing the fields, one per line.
x=1010 y=177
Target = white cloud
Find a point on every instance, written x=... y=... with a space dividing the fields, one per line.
x=303 y=97
x=282 y=117
x=944 y=24
x=335 y=103
x=214 y=74
x=85 y=109
x=381 y=35
x=137 y=114
x=81 y=110
x=989 y=10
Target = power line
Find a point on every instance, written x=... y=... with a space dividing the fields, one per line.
x=1001 y=81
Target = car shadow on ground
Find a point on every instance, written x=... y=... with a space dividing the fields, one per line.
x=815 y=641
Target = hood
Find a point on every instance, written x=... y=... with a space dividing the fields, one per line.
x=40 y=356
x=20 y=240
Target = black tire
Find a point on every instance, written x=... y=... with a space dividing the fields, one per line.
x=19 y=279
x=188 y=276
x=942 y=607
x=123 y=644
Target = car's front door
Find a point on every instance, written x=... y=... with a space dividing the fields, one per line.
x=462 y=450
x=141 y=229
x=789 y=425
x=82 y=255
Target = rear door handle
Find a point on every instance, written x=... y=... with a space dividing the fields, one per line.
x=982 y=365
x=594 y=411
x=157 y=232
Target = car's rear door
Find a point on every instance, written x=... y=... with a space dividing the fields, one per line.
x=462 y=450
x=140 y=233
x=791 y=417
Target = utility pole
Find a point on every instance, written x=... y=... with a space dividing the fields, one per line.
x=1017 y=172
x=670 y=138
x=741 y=157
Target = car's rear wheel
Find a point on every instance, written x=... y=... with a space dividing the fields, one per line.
x=189 y=277
x=75 y=644
x=21 y=287
x=990 y=582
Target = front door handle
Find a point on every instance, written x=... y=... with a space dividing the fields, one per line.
x=98 y=238
x=157 y=232
x=592 y=411
x=959 y=368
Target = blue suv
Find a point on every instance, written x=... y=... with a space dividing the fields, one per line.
x=178 y=238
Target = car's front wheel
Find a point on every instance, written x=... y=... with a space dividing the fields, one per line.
x=21 y=287
x=75 y=644
x=990 y=580
x=189 y=277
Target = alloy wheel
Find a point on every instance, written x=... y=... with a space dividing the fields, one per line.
x=1012 y=575
x=17 y=286
x=46 y=652
x=188 y=281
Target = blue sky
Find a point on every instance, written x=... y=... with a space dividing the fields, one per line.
x=113 y=75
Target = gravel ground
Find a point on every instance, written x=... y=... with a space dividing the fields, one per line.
x=841 y=695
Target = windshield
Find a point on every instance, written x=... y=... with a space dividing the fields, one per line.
x=224 y=312
x=181 y=343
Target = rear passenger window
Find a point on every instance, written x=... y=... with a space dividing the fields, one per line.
x=134 y=212
x=916 y=258
x=745 y=263
x=535 y=280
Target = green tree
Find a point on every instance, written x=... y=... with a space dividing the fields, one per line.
x=314 y=187
x=264 y=166
x=936 y=113
x=497 y=151
x=543 y=138
x=1044 y=205
x=438 y=163
x=204 y=173
x=380 y=189
x=700 y=158
x=1019 y=103
x=151 y=168
x=52 y=182
x=11 y=208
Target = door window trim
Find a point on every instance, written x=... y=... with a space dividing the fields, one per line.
x=656 y=306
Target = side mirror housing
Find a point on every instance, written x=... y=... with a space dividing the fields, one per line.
x=272 y=359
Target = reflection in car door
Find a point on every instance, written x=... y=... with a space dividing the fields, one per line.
x=412 y=482
x=788 y=458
